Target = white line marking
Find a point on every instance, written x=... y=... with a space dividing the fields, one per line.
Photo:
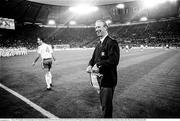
x=36 y=107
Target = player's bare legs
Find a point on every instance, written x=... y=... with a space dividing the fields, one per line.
x=48 y=78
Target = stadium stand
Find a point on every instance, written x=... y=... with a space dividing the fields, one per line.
x=157 y=33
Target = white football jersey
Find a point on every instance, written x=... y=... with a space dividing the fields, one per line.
x=45 y=51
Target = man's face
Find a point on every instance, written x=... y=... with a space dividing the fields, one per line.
x=100 y=29
x=39 y=41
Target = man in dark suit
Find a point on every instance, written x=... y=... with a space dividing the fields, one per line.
x=104 y=61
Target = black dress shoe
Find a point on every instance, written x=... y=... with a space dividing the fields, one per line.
x=48 y=89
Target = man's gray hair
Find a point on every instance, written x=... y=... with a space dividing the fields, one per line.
x=104 y=22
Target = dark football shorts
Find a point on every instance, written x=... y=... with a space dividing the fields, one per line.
x=47 y=63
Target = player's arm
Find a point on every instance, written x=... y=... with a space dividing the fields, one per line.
x=53 y=57
x=38 y=56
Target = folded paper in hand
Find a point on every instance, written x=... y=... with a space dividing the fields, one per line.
x=95 y=80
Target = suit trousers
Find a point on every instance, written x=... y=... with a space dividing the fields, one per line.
x=106 y=97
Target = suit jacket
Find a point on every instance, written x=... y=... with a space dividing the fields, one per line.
x=106 y=55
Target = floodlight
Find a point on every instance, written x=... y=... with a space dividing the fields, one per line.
x=72 y=22
x=108 y=22
x=51 y=22
x=83 y=9
x=120 y=6
x=149 y=3
x=143 y=19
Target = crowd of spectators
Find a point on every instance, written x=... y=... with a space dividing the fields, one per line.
x=157 y=33
x=152 y=34
x=13 y=51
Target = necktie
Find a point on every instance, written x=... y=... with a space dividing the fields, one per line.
x=100 y=43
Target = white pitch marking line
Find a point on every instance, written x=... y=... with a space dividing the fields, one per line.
x=36 y=107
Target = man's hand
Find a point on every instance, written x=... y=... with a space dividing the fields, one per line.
x=95 y=69
x=89 y=69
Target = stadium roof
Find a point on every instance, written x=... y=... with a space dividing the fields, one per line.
x=40 y=11
x=73 y=2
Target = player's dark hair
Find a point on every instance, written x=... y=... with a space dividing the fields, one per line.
x=42 y=39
